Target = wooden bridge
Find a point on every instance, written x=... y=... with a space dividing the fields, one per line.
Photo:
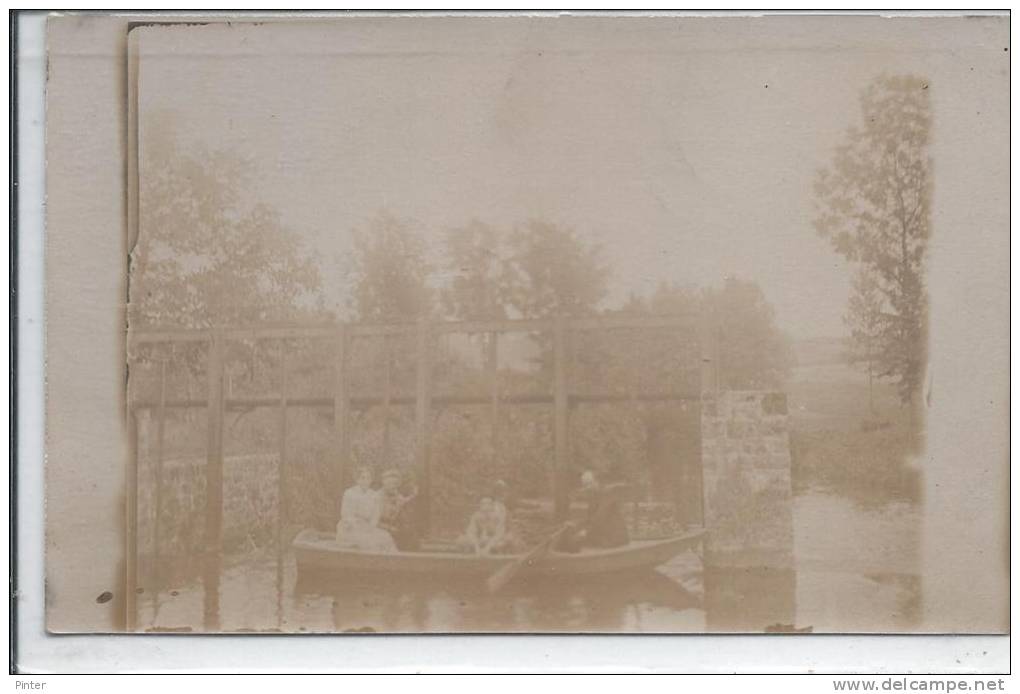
x=560 y=333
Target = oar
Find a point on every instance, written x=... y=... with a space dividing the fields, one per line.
x=507 y=572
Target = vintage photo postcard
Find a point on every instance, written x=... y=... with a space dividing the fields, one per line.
x=513 y=324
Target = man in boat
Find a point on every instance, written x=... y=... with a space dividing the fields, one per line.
x=397 y=517
x=604 y=525
x=360 y=512
x=486 y=531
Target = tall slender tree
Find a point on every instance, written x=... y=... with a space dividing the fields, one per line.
x=874 y=206
x=865 y=319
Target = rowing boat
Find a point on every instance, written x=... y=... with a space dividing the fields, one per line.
x=318 y=553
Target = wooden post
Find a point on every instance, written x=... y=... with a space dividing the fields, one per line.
x=214 y=488
x=157 y=522
x=281 y=483
x=493 y=367
x=387 y=386
x=340 y=413
x=561 y=415
x=699 y=469
x=718 y=359
x=421 y=427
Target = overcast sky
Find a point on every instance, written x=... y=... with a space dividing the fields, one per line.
x=685 y=147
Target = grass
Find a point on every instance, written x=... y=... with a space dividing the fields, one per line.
x=841 y=444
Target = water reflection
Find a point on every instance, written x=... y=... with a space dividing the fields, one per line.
x=645 y=602
x=750 y=599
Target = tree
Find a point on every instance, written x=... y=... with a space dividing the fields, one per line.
x=555 y=272
x=390 y=272
x=203 y=257
x=749 y=348
x=865 y=320
x=736 y=326
x=480 y=273
x=874 y=206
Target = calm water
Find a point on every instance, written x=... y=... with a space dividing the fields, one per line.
x=856 y=571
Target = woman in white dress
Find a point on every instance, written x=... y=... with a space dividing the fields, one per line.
x=360 y=510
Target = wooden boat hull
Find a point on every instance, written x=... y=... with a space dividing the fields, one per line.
x=318 y=554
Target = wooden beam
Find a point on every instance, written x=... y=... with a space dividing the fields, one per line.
x=631 y=322
x=561 y=414
x=328 y=331
x=213 y=489
x=386 y=395
x=495 y=326
x=421 y=425
x=492 y=359
x=718 y=360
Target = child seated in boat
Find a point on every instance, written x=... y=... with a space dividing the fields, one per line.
x=486 y=531
x=500 y=496
x=360 y=511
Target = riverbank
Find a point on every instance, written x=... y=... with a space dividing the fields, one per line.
x=851 y=439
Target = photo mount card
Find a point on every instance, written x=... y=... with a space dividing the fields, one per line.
x=530 y=325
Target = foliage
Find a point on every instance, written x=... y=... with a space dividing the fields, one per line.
x=838 y=444
x=460 y=450
x=203 y=256
x=208 y=259
x=868 y=465
x=312 y=488
x=390 y=272
x=752 y=350
x=738 y=332
x=556 y=272
x=874 y=206
x=863 y=319
x=610 y=440
x=536 y=270
x=481 y=274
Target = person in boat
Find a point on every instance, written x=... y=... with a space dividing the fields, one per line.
x=604 y=525
x=499 y=497
x=500 y=502
x=486 y=531
x=360 y=512
x=397 y=516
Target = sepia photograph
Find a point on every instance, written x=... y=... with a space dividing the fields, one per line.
x=553 y=325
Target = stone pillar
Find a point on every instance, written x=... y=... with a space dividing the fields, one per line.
x=749 y=578
x=745 y=452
